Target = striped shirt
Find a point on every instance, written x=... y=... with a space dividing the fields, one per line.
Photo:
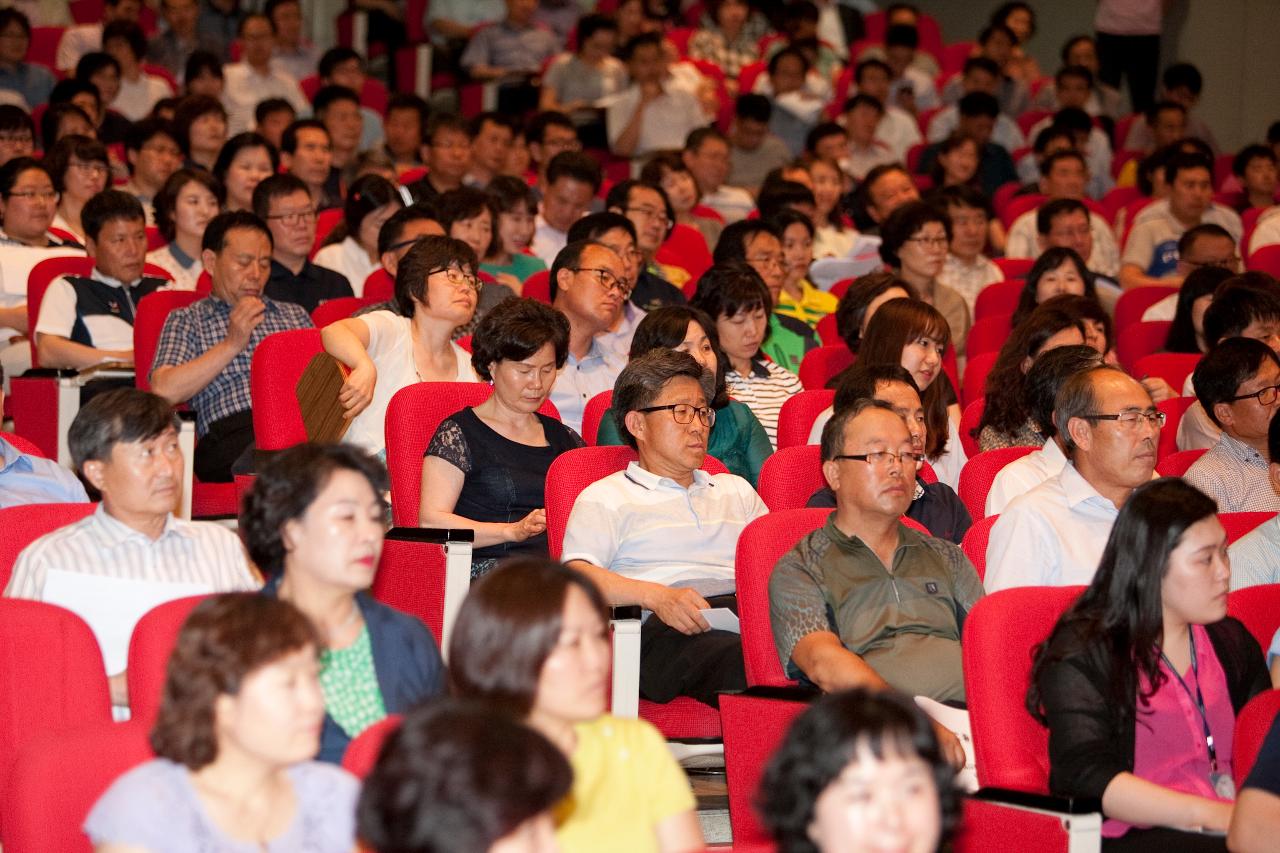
x=1236 y=476
x=764 y=390
x=190 y=552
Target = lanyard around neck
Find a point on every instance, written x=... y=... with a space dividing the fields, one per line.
x=1196 y=697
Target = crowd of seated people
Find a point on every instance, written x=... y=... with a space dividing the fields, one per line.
x=699 y=237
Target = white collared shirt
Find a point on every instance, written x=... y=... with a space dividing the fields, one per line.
x=668 y=119
x=1053 y=535
x=1022 y=475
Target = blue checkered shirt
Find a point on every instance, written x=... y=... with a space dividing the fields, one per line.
x=190 y=332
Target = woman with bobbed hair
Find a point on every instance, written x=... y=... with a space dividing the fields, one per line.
x=859 y=770
x=737 y=439
x=244 y=162
x=667 y=169
x=238 y=726
x=200 y=122
x=352 y=247
x=1057 y=271
x=314 y=524
x=915 y=239
x=436 y=292
x=861 y=301
x=80 y=168
x=458 y=777
x=184 y=206
x=471 y=215
x=532 y=640
x=486 y=467
x=1141 y=680
x=1186 y=334
x=1006 y=420
x=28 y=204
x=913 y=335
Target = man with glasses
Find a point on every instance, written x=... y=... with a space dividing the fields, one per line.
x=447 y=153
x=1063 y=178
x=663 y=533
x=616 y=233
x=17 y=133
x=284 y=203
x=649 y=211
x=549 y=133
x=153 y=155
x=1205 y=245
x=205 y=349
x=1054 y=534
x=1237 y=383
x=589 y=286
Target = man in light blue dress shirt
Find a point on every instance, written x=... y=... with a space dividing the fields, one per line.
x=27 y=479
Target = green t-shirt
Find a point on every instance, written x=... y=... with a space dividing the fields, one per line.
x=789 y=339
x=521 y=266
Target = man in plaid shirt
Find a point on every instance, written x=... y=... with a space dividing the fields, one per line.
x=205 y=349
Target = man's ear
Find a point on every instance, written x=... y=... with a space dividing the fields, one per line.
x=208 y=257
x=93 y=473
x=831 y=473
x=1081 y=433
x=635 y=423
x=1224 y=415
x=1273 y=470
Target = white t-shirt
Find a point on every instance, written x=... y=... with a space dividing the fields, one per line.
x=350 y=259
x=391 y=348
x=136 y=98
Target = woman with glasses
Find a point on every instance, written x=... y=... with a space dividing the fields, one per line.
x=184 y=206
x=80 y=170
x=436 y=292
x=352 y=247
x=915 y=240
x=28 y=203
x=1141 y=680
x=486 y=467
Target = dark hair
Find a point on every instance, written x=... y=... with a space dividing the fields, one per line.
x=826 y=739
x=333 y=57
x=456 y=776
x=119 y=416
x=868 y=64
x=902 y=35
x=1238 y=302
x=1248 y=154
x=509 y=193
x=215 y=233
x=576 y=166
x=1073 y=119
x=536 y=129
x=238 y=143
x=860 y=381
x=1050 y=259
x=696 y=137
x=13 y=169
x=445 y=121
x=592 y=23
x=897 y=322
x=69 y=148
x=1077 y=71
x=820 y=132
x=781 y=198
x=410 y=101
x=107 y=206
x=272 y=105
x=977 y=104
x=392 y=231
x=289 y=139
x=862 y=195
x=852 y=307
x=14 y=118
x=166 y=199
x=996 y=28
x=1200 y=282
x=11 y=15
x=1071 y=43
x=981 y=63
x=786 y=217
x=753 y=107
x=1051 y=210
x=1225 y=367
x=595 y=225
x=1152 y=165
x=87 y=66
x=729 y=288
x=961 y=196
x=644 y=377
x=904 y=223
x=1183 y=161
x=567 y=259
x=620 y=196
x=130 y=33
x=507 y=628
x=789 y=52
x=273 y=187
x=286 y=487
x=428 y=254
x=253 y=16
x=831 y=443
x=1045 y=378
x=329 y=95
x=1006 y=408
x=1091 y=310
x=732 y=245
x=366 y=194
x=1182 y=75
x=862 y=99
x=667 y=326
x=224 y=640
x=467 y=203
x=1076 y=398
x=937 y=171
x=515 y=329
x=1047 y=135
x=1120 y=614
x=1194 y=233
x=200 y=62
x=638 y=41
x=1047 y=164
x=188 y=110
x=143 y=131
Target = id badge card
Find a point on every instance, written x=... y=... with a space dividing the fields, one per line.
x=1223 y=785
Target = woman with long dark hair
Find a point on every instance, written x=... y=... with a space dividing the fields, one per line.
x=1056 y=272
x=1142 y=678
x=1187 y=332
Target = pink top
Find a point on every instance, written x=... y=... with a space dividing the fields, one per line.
x=1169 y=745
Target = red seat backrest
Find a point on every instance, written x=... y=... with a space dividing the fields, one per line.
x=1014 y=268
x=1258 y=609
x=22 y=525
x=974 y=543
x=1239 y=524
x=38 y=281
x=975 y=380
x=42 y=49
x=363 y=751
x=821 y=364
x=1252 y=726
x=980 y=471
x=790 y=476
x=988 y=334
x=1132 y=304
x=413 y=415
x=278 y=363
x=379 y=286
x=593 y=414
x=574 y=470
x=1266 y=259
x=23 y=445
x=153 y=310
x=1176 y=464
x=798 y=414
x=333 y=310
x=326 y=221
x=999 y=298
x=1173 y=409
x=754 y=727
x=538 y=286
x=686 y=248
x=828 y=331
x=153 y=641
x=1141 y=339
x=1172 y=367
x=1011 y=749
x=1019 y=205
x=411 y=577
x=969 y=420
x=1117 y=198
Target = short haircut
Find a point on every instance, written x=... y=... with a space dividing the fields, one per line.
x=1184 y=162
x=979 y=104
x=730 y=287
x=69 y=149
x=699 y=135
x=191 y=108
x=994 y=29
x=1070 y=44
x=903 y=224
x=593 y=226
x=510 y=193
x=576 y=166
x=1047 y=135
x=143 y=131
x=833 y=432
x=902 y=35
x=1051 y=210
x=783 y=219
x=861 y=380
x=107 y=206
x=1152 y=115
x=789 y=52
x=129 y=32
x=202 y=62
x=240 y=142
x=1248 y=154
x=667 y=327
x=514 y=330
x=12 y=170
x=1239 y=302
x=119 y=416
x=820 y=132
x=732 y=245
x=335 y=56
x=14 y=119
x=961 y=196
x=166 y=200
x=410 y=101
x=271 y=106
x=215 y=233
x=641 y=382
x=289 y=139
x=273 y=187
x=753 y=107
x=442 y=122
x=1182 y=75
x=781 y=197
x=619 y=197
x=427 y=255
x=11 y=15
x=52 y=120
x=862 y=99
x=88 y=65
x=224 y=640
x=638 y=41
x=1077 y=398
x=1074 y=120
x=1225 y=367
x=852 y=307
x=981 y=63
x=869 y=65
x=1205 y=229
x=592 y=23
x=392 y=231
x=1045 y=377
x=1077 y=71
x=330 y=95
x=567 y=259
x=495 y=118
x=287 y=486
x=536 y=129
x=468 y=203
x=1047 y=164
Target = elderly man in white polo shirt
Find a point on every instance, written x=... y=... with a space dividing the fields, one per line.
x=1054 y=535
x=662 y=534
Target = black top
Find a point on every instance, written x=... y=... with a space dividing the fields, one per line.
x=505 y=480
x=653 y=291
x=311 y=286
x=1091 y=739
x=936 y=506
x=97 y=298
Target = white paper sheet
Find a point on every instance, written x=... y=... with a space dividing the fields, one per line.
x=112 y=606
x=957 y=721
x=722 y=619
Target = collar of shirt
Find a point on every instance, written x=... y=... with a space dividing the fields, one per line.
x=1051 y=452
x=1240 y=451
x=852 y=544
x=99 y=275
x=184 y=260
x=1078 y=490
x=651 y=481
x=13 y=458
x=595 y=352
x=112 y=532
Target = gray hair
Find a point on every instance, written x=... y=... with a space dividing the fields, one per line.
x=833 y=432
x=644 y=377
x=123 y=415
x=1076 y=398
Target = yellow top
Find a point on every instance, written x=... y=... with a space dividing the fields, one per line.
x=814 y=304
x=625 y=782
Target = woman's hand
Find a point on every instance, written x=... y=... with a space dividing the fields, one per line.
x=1158 y=389
x=510 y=281
x=357 y=391
x=531 y=525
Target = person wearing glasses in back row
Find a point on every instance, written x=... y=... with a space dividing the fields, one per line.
x=1054 y=534
x=285 y=204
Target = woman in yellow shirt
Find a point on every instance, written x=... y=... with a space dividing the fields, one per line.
x=532 y=640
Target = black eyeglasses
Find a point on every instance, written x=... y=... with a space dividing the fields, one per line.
x=608 y=280
x=1130 y=420
x=884 y=458
x=683 y=413
x=1265 y=396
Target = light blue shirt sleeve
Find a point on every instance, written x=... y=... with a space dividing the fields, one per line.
x=26 y=479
